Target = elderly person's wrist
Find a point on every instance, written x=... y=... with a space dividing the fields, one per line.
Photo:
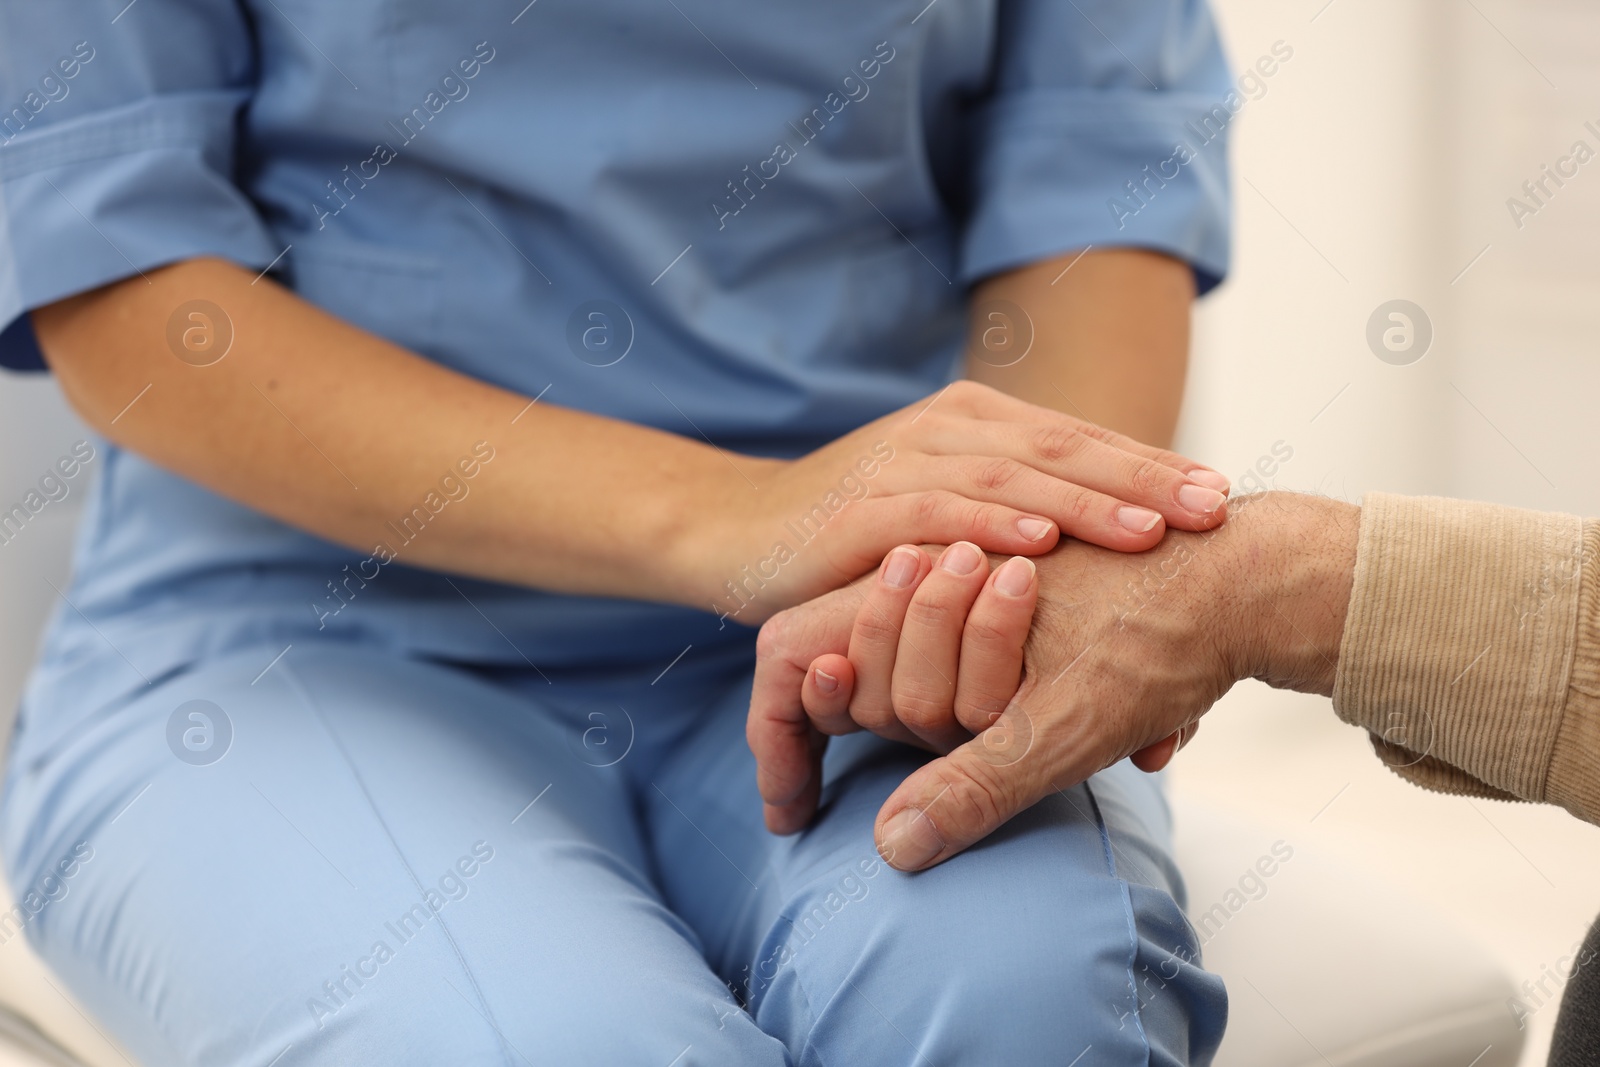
x=1291 y=563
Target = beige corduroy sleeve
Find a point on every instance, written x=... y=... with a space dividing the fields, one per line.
x=1471 y=649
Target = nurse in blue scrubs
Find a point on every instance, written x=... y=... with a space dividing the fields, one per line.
x=472 y=381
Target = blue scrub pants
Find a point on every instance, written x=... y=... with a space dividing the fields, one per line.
x=399 y=862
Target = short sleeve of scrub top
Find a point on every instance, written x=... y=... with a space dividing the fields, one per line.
x=1089 y=100
x=117 y=146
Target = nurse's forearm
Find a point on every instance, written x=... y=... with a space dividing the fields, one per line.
x=1110 y=338
x=339 y=432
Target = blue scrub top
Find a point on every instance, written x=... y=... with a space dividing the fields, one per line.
x=755 y=224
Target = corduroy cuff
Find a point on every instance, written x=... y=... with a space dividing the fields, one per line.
x=1459 y=643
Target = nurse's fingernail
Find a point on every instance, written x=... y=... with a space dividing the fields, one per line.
x=826 y=683
x=1211 y=479
x=1138 y=520
x=1015 y=576
x=1198 y=498
x=1033 y=529
x=961 y=558
x=909 y=840
x=901 y=567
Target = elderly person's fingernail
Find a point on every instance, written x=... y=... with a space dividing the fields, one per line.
x=910 y=840
x=1210 y=478
x=1014 y=577
x=1199 y=499
x=1137 y=520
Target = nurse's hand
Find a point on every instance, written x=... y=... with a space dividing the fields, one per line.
x=935 y=650
x=967 y=464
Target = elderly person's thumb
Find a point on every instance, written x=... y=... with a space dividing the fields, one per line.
x=957 y=800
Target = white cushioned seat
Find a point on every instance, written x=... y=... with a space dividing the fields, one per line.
x=1327 y=966
x=40 y=1022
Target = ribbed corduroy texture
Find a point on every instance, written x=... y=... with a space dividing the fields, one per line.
x=1459 y=647
x=1574 y=779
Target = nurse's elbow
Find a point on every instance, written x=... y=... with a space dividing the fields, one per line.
x=107 y=344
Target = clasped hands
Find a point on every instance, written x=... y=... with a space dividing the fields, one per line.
x=1028 y=675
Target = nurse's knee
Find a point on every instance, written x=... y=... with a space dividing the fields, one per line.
x=1002 y=954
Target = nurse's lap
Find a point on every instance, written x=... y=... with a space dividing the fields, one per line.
x=1058 y=934
x=393 y=862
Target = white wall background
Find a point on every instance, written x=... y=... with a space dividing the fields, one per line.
x=1376 y=167
x=36 y=429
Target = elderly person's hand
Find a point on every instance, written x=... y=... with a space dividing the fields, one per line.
x=1125 y=654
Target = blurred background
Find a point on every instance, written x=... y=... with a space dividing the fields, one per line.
x=1377 y=166
x=1374 y=164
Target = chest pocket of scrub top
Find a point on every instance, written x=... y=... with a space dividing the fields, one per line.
x=386 y=291
x=326 y=47
x=429 y=41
